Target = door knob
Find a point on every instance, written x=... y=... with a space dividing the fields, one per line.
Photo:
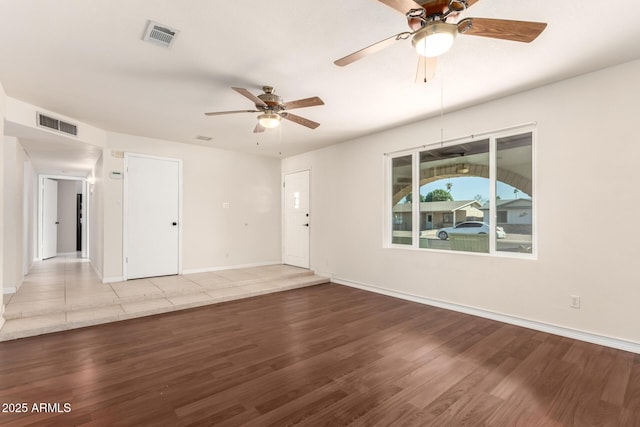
x=174 y=223
x=305 y=225
x=57 y=222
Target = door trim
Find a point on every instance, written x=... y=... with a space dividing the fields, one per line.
x=41 y=177
x=125 y=204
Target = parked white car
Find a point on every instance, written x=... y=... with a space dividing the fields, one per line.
x=470 y=227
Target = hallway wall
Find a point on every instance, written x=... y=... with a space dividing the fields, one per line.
x=2 y=114
x=12 y=206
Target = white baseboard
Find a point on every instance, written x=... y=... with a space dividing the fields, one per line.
x=619 y=344
x=229 y=267
x=11 y=290
x=197 y=270
x=1 y=315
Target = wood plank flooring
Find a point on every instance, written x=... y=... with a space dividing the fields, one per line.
x=322 y=356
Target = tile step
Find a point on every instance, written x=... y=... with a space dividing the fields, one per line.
x=77 y=318
x=9 y=315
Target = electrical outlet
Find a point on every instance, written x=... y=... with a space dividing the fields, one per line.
x=575 y=301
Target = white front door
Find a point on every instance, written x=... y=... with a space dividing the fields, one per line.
x=152 y=197
x=296 y=219
x=49 y=218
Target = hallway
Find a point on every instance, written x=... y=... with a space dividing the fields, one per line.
x=65 y=293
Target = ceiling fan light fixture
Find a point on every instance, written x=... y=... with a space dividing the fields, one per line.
x=434 y=39
x=269 y=120
x=463 y=168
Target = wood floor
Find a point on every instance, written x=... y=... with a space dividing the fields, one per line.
x=325 y=355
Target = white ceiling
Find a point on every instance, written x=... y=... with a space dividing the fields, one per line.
x=86 y=59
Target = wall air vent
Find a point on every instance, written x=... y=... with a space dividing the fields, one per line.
x=160 y=34
x=57 y=125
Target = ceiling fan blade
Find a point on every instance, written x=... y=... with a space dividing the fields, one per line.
x=300 y=120
x=520 y=31
x=258 y=128
x=252 y=97
x=402 y=6
x=219 y=113
x=371 y=49
x=426 y=69
x=301 y=103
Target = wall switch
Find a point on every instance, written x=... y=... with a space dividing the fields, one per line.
x=575 y=301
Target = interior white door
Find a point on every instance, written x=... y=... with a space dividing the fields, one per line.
x=296 y=219
x=49 y=218
x=152 y=191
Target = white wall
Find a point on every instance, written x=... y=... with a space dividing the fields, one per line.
x=13 y=207
x=67 y=190
x=587 y=152
x=247 y=233
x=2 y=115
x=96 y=219
x=30 y=216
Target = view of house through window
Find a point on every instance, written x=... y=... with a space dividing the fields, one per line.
x=454 y=186
x=514 y=193
x=475 y=196
x=401 y=178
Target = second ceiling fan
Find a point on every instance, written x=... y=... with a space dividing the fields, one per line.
x=433 y=31
x=272 y=109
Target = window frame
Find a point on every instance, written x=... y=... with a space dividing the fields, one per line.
x=493 y=137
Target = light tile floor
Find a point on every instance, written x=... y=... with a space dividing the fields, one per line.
x=65 y=293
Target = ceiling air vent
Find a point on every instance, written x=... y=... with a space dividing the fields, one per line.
x=160 y=34
x=57 y=125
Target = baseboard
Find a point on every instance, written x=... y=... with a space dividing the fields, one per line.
x=198 y=270
x=1 y=315
x=13 y=289
x=95 y=269
x=229 y=267
x=526 y=323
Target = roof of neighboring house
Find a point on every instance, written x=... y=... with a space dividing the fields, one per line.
x=510 y=204
x=448 y=206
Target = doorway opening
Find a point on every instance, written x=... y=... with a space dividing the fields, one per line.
x=63 y=217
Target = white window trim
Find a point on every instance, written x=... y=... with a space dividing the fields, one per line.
x=493 y=136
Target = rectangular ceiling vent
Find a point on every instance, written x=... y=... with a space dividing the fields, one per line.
x=57 y=125
x=160 y=34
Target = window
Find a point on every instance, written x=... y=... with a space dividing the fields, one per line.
x=514 y=192
x=475 y=195
x=401 y=200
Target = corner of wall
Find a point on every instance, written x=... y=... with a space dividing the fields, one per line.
x=2 y=115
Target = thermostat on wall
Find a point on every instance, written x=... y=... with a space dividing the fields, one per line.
x=116 y=175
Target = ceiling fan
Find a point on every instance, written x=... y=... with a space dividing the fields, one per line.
x=433 y=31
x=272 y=109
